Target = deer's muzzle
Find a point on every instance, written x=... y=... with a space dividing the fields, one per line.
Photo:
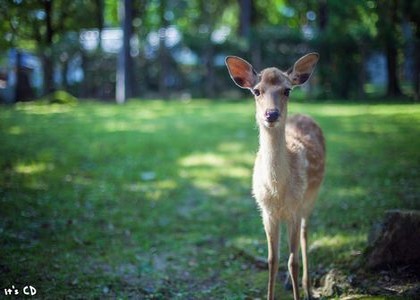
x=272 y=115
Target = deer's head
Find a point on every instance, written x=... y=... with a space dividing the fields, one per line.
x=271 y=87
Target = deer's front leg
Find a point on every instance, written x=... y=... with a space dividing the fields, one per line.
x=293 y=227
x=271 y=227
x=304 y=244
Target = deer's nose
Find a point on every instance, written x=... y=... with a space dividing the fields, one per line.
x=271 y=115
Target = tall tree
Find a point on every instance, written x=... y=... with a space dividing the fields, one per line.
x=411 y=10
x=163 y=51
x=245 y=7
x=47 y=43
x=124 y=67
x=389 y=23
x=99 y=17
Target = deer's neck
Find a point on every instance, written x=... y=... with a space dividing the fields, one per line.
x=273 y=154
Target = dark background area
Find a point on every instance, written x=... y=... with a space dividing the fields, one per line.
x=176 y=49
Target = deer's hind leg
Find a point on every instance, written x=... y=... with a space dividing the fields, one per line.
x=306 y=284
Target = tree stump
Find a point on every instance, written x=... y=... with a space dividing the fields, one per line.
x=396 y=242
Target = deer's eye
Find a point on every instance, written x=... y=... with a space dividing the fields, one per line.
x=287 y=92
x=256 y=92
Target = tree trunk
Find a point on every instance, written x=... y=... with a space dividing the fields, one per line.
x=47 y=51
x=411 y=12
x=163 y=60
x=163 y=55
x=362 y=72
x=83 y=85
x=209 y=80
x=99 y=21
x=64 y=70
x=323 y=15
x=391 y=50
x=245 y=7
x=393 y=89
x=256 y=52
x=124 y=78
x=17 y=67
x=416 y=76
x=325 y=63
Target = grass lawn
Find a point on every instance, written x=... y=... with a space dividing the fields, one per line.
x=151 y=200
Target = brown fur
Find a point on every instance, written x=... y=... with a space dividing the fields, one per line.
x=289 y=167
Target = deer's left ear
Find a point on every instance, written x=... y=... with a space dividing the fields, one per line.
x=303 y=68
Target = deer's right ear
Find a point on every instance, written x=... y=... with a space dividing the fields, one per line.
x=241 y=72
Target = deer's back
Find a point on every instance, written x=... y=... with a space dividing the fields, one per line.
x=303 y=131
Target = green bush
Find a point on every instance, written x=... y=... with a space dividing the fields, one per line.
x=62 y=97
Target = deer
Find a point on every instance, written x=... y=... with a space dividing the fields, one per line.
x=289 y=165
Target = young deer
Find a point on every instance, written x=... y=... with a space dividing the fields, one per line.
x=289 y=166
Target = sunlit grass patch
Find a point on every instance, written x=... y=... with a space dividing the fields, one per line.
x=43 y=108
x=15 y=130
x=339 y=249
x=206 y=160
x=32 y=168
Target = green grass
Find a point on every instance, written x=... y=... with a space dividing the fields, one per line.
x=152 y=199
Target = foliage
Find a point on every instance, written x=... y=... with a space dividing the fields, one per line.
x=280 y=31
x=41 y=26
x=152 y=199
x=62 y=97
x=26 y=21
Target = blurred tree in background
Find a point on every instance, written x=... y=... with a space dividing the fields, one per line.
x=49 y=28
x=176 y=48
x=411 y=13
